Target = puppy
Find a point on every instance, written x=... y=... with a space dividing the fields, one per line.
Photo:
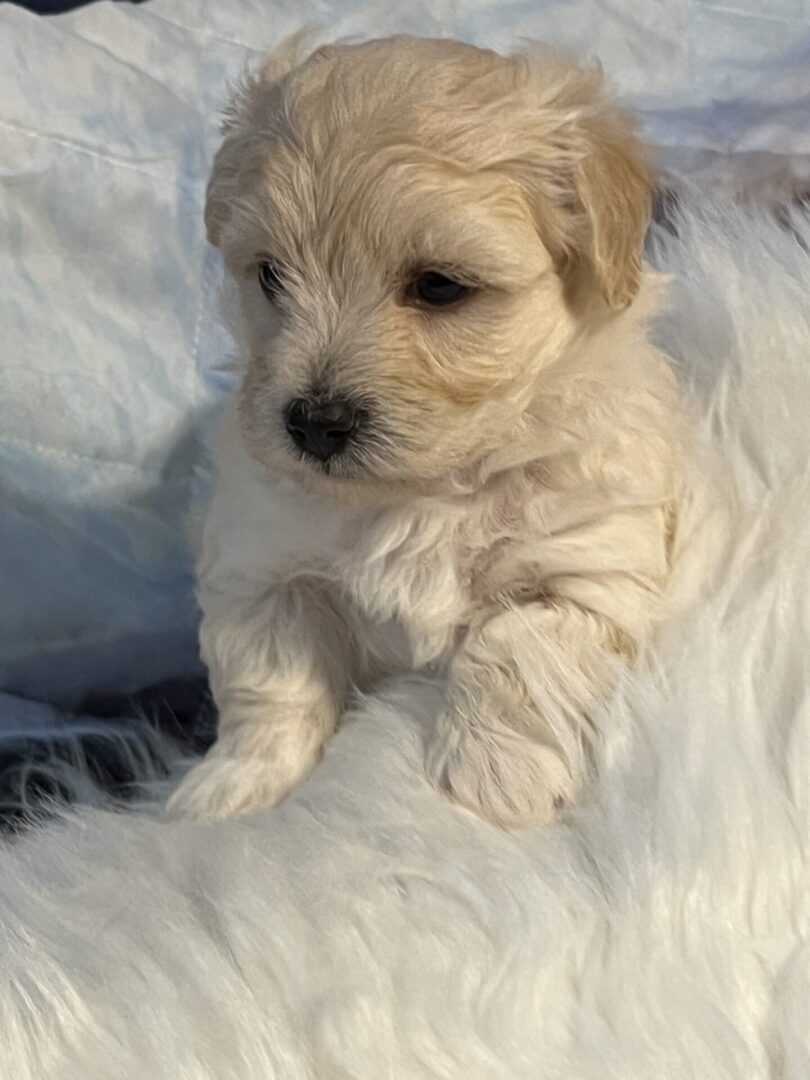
x=453 y=448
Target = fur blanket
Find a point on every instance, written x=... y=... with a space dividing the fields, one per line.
x=367 y=928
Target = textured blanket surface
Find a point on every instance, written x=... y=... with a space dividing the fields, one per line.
x=367 y=928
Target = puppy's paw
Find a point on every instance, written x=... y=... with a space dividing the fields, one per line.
x=224 y=786
x=502 y=776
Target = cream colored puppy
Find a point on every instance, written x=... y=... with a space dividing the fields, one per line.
x=453 y=448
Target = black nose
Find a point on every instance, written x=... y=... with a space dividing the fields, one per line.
x=321 y=428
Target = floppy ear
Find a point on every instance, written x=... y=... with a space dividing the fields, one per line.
x=239 y=117
x=612 y=186
x=586 y=165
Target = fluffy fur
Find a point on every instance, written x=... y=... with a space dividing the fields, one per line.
x=369 y=928
x=505 y=516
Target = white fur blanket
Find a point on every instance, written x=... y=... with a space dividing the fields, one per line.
x=367 y=928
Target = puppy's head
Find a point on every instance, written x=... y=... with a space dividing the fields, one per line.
x=417 y=230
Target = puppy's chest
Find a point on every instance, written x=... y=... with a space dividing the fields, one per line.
x=421 y=579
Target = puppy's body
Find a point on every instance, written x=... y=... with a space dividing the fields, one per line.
x=502 y=511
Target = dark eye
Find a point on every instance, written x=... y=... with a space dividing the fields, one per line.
x=270 y=279
x=438 y=290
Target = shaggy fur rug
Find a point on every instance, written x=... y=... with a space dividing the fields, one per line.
x=367 y=928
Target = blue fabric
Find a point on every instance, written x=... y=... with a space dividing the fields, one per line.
x=112 y=363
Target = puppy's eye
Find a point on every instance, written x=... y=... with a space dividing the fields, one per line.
x=438 y=290
x=270 y=279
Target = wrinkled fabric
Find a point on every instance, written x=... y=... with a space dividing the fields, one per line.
x=112 y=363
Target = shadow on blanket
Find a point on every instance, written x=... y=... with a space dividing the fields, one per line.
x=113 y=751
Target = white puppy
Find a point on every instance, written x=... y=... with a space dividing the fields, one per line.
x=454 y=445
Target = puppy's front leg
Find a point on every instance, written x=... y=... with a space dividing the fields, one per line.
x=510 y=742
x=280 y=668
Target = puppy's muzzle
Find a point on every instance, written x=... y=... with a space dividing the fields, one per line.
x=321 y=429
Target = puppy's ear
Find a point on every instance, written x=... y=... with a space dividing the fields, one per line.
x=239 y=118
x=612 y=191
x=588 y=174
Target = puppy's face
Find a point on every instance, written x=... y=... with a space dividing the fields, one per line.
x=416 y=229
